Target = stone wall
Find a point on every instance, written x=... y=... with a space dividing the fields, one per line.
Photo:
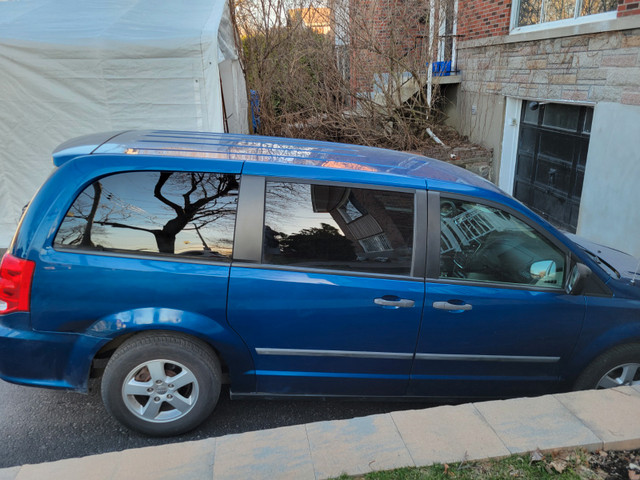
x=586 y=68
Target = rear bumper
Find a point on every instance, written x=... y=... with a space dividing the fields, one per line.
x=44 y=359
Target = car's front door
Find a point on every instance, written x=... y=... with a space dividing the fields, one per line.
x=333 y=301
x=496 y=320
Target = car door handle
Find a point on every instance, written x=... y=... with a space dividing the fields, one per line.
x=393 y=301
x=452 y=306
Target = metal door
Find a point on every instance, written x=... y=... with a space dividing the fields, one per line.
x=551 y=160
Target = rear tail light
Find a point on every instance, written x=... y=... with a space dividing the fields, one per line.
x=15 y=284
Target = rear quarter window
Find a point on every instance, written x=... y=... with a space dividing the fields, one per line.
x=154 y=213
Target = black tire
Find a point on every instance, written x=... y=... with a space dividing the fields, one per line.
x=153 y=405
x=617 y=367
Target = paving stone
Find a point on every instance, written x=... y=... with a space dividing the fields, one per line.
x=180 y=461
x=447 y=434
x=96 y=467
x=611 y=414
x=279 y=453
x=356 y=446
x=527 y=424
x=12 y=472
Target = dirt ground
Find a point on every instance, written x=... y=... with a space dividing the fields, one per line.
x=458 y=150
x=615 y=465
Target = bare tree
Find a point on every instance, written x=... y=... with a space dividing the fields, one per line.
x=342 y=70
x=185 y=201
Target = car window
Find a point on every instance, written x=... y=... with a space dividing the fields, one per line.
x=335 y=227
x=161 y=213
x=480 y=243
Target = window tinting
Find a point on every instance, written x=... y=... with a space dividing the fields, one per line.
x=328 y=227
x=483 y=244
x=162 y=213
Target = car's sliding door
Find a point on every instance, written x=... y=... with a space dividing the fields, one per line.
x=330 y=304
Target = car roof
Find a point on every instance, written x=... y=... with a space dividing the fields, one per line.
x=256 y=148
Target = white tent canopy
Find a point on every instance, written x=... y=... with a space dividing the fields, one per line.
x=73 y=67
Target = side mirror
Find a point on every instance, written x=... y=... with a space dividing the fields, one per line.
x=544 y=270
x=577 y=279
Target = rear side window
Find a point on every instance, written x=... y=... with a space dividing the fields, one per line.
x=340 y=228
x=158 y=213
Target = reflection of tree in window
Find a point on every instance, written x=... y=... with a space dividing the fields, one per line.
x=558 y=10
x=160 y=212
x=531 y=12
x=589 y=7
x=338 y=227
x=324 y=243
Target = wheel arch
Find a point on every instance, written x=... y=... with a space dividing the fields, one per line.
x=627 y=334
x=609 y=365
x=233 y=354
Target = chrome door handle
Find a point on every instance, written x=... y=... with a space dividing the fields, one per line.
x=452 y=306
x=396 y=302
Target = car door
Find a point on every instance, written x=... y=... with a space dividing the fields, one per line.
x=327 y=291
x=497 y=320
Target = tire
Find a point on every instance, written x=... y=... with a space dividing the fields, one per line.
x=615 y=368
x=138 y=391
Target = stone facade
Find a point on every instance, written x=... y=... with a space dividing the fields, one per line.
x=586 y=68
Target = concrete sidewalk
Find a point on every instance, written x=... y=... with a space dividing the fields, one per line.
x=604 y=419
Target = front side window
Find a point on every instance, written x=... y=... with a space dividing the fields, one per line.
x=161 y=213
x=480 y=243
x=532 y=12
x=338 y=228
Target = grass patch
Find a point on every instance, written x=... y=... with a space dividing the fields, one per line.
x=565 y=465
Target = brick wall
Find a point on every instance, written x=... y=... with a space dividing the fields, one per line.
x=488 y=18
x=483 y=18
x=628 y=7
x=602 y=67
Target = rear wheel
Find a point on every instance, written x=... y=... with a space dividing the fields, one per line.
x=161 y=384
x=618 y=367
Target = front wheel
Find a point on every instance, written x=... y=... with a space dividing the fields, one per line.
x=161 y=384
x=618 y=367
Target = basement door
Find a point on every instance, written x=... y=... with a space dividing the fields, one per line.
x=551 y=159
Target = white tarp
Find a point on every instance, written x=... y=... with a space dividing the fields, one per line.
x=73 y=67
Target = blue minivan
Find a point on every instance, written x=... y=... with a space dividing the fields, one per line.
x=169 y=263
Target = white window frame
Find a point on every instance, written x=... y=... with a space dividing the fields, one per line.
x=576 y=20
